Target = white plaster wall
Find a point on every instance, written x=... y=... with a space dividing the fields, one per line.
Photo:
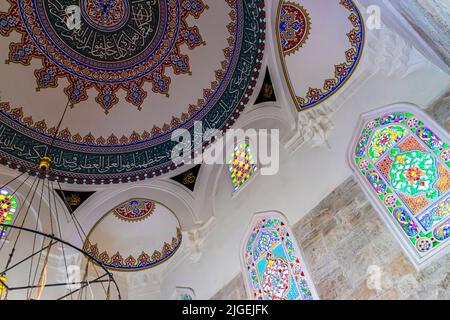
x=304 y=179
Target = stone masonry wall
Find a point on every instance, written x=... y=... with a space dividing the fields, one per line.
x=351 y=254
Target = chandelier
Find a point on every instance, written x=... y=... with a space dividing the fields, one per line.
x=36 y=259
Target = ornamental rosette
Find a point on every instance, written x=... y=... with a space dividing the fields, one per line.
x=105 y=45
x=414 y=173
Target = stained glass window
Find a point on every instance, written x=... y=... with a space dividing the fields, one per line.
x=184 y=294
x=272 y=263
x=241 y=165
x=8 y=207
x=403 y=160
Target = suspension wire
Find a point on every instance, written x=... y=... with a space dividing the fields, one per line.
x=12 y=180
x=86 y=271
x=58 y=127
x=60 y=233
x=25 y=259
x=49 y=248
x=28 y=209
x=15 y=216
x=97 y=280
x=34 y=241
x=78 y=227
x=4 y=284
x=23 y=223
x=64 y=200
x=73 y=216
x=54 y=285
x=50 y=205
x=20 y=231
x=52 y=233
x=84 y=286
x=17 y=177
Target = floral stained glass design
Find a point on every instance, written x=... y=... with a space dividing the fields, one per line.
x=241 y=165
x=407 y=166
x=8 y=207
x=273 y=265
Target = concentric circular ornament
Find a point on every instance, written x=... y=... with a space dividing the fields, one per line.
x=295 y=27
x=111 y=53
x=106 y=15
x=424 y=244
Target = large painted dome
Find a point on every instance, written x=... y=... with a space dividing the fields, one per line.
x=132 y=71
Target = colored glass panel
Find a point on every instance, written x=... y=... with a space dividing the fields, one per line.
x=435 y=215
x=385 y=139
x=241 y=165
x=273 y=264
x=406 y=164
x=8 y=207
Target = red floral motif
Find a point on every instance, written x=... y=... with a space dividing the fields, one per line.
x=134 y=210
x=295 y=27
x=89 y=139
x=342 y=71
x=133 y=79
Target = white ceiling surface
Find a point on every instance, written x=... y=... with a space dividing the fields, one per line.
x=325 y=47
x=132 y=238
x=19 y=88
x=304 y=179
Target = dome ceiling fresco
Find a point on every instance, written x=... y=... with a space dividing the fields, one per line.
x=136 y=235
x=320 y=43
x=131 y=71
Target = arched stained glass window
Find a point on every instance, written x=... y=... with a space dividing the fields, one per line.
x=402 y=159
x=241 y=165
x=272 y=264
x=8 y=207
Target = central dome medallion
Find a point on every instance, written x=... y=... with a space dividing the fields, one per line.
x=110 y=44
x=177 y=61
x=104 y=34
x=111 y=15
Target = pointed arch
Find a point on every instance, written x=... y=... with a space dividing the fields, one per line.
x=272 y=264
x=401 y=158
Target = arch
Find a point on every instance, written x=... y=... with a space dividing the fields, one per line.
x=331 y=55
x=269 y=253
x=147 y=231
x=163 y=191
x=401 y=158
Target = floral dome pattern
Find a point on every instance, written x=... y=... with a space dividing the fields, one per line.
x=153 y=66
